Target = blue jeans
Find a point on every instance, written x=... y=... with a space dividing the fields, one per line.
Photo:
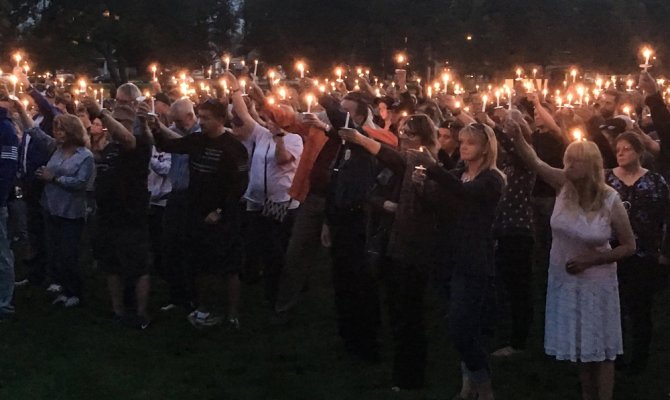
x=6 y=267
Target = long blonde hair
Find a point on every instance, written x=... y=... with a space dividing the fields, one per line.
x=490 y=161
x=594 y=190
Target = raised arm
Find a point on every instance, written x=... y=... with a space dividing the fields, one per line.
x=553 y=176
x=25 y=120
x=385 y=154
x=116 y=129
x=240 y=107
x=547 y=119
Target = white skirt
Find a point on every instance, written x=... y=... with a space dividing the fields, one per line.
x=583 y=319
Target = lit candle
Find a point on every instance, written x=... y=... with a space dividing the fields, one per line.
x=518 y=74
x=569 y=97
x=544 y=94
x=498 y=98
x=153 y=72
x=243 y=85
x=62 y=82
x=580 y=92
x=209 y=73
x=629 y=83
x=578 y=135
x=626 y=110
x=429 y=91
x=586 y=99
x=559 y=101
x=300 y=66
x=255 y=67
x=485 y=99
x=26 y=68
x=599 y=83
x=102 y=98
x=13 y=79
x=282 y=93
x=227 y=60
x=310 y=99
x=445 y=79
x=338 y=72
x=17 y=58
x=534 y=73
x=574 y=75
x=271 y=101
x=401 y=59
x=646 y=52
x=82 y=86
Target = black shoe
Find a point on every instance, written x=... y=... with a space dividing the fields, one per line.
x=136 y=322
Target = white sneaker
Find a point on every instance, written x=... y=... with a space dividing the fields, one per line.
x=60 y=299
x=200 y=319
x=21 y=283
x=71 y=302
x=55 y=288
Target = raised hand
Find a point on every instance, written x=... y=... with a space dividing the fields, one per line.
x=647 y=83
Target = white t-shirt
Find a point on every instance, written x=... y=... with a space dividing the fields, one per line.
x=279 y=177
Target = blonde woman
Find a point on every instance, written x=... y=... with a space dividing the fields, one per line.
x=582 y=321
x=473 y=192
x=66 y=176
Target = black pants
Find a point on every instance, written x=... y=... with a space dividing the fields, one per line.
x=266 y=241
x=468 y=316
x=356 y=289
x=637 y=286
x=156 y=236
x=37 y=264
x=406 y=286
x=175 y=268
x=63 y=237
x=514 y=262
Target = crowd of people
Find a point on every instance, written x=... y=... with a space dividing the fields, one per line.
x=407 y=191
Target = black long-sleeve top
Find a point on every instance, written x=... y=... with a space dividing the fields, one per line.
x=515 y=210
x=218 y=169
x=661 y=119
x=412 y=236
x=470 y=249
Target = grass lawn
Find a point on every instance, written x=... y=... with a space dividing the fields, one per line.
x=51 y=353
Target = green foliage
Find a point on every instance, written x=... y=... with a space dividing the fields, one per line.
x=591 y=33
x=132 y=32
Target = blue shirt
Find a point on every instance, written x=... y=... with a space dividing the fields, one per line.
x=66 y=196
x=179 y=175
